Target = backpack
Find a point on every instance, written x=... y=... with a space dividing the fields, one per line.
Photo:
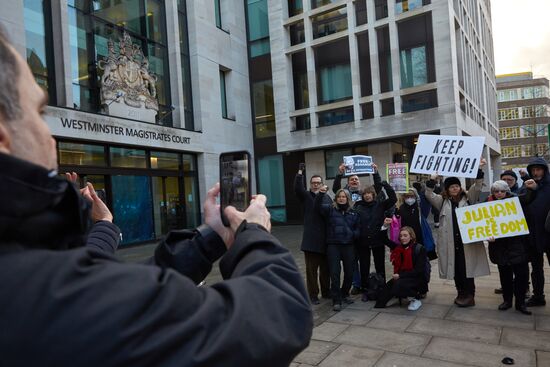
x=376 y=284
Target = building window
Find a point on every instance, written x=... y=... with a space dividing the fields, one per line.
x=384 y=59
x=419 y=101
x=258 y=28
x=295 y=7
x=417 y=64
x=299 y=77
x=507 y=95
x=330 y=22
x=381 y=9
x=542 y=149
x=527 y=93
x=38 y=34
x=527 y=151
x=512 y=151
x=218 y=13
x=77 y=154
x=360 y=12
x=297 y=33
x=402 y=6
x=271 y=183
x=332 y=65
x=185 y=66
x=335 y=117
x=509 y=132
x=508 y=114
x=541 y=111
x=365 y=75
x=367 y=111
x=387 y=107
x=223 y=94
x=528 y=112
x=318 y=3
x=93 y=23
x=302 y=122
x=333 y=159
x=264 y=111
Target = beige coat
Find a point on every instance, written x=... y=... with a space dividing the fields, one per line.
x=475 y=253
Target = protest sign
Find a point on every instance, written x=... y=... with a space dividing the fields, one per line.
x=498 y=218
x=398 y=176
x=358 y=164
x=447 y=155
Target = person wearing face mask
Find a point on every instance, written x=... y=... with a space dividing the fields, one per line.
x=509 y=253
x=341 y=233
x=409 y=264
x=371 y=211
x=458 y=261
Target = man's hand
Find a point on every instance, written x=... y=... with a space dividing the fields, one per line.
x=255 y=213
x=323 y=189
x=395 y=276
x=387 y=221
x=213 y=218
x=341 y=168
x=375 y=167
x=491 y=239
x=482 y=162
x=530 y=184
x=99 y=209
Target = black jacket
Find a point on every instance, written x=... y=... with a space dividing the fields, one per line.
x=410 y=216
x=63 y=304
x=537 y=211
x=372 y=216
x=313 y=238
x=342 y=225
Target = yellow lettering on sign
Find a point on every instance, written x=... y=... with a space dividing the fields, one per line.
x=471 y=233
x=511 y=207
x=467 y=218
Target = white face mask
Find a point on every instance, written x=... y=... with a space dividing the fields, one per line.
x=410 y=201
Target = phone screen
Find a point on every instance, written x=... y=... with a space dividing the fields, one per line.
x=235 y=180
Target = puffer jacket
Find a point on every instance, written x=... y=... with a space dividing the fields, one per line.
x=537 y=211
x=342 y=225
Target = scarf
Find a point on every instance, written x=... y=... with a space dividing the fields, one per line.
x=401 y=259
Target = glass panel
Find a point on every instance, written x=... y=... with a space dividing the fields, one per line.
x=188 y=162
x=258 y=22
x=387 y=106
x=295 y=7
x=402 y=6
x=367 y=109
x=413 y=67
x=328 y=23
x=271 y=184
x=122 y=13
x=302 y=122
x=335 y=117
x=419 y=101
x=381 y=8
x=265 y=129
x=364 y=64
x=335 y=83
x=192 y=211
x=217 y=13
x=167 y=206
x=297 y=33
x=262 y=94
x=384 y=59
x=35 y=37
x=416 y=51
x=527 y=93
x=155 y=21
x=127 y=157
x=163 y=160
x=360 y=12
x=132 y=208
x=97 y=180
x=223 y=97
x=318 y=3
x=186 y=72
x=81 y=154
x=259 y=47
x=333 y=158
x=299 y=76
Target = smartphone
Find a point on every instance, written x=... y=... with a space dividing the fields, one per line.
x=234 y=181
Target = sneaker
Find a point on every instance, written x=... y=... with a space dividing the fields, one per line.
x=337 y=307
x=348 y=301
x=414 y=304
x=364 y=297
x=436 y=224
x=535 y=301
x=355 y=291
x=314 y=301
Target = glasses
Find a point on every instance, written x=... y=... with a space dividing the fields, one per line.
x=316 y=182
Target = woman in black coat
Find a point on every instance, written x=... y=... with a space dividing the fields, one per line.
x=509 y=253
x=341 y=233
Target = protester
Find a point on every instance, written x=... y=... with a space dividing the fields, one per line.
x=342 y=232
x=539 y=238
x=371 y=211
x=458 y=261
x=313 y=238
x=509 y=253
x=511 y=179
x=409 y=270
x=64 y=304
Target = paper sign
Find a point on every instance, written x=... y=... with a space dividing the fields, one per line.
x=498 y=218
x=398 y=176
x=358 y=164
x=447 y=155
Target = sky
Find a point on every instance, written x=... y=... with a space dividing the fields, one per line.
x=521 y=36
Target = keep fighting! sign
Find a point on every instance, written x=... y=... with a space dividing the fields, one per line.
x=498 y=218
x=447 y=155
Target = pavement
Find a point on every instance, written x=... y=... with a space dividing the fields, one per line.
x=439 y=334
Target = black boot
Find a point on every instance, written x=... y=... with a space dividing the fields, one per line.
x=505 y=305
x=523 y=309
x=535 y=301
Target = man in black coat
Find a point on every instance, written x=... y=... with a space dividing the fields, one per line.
x=66 y=304
x=313 y=238
x=539 y=238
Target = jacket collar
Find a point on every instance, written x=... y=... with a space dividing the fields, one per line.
x=38 y=208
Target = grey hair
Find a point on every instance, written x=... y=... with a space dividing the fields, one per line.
x=500 y=185
x=10 y=108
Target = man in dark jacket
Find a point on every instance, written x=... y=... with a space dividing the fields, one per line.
x=313 y=238
x=65 y=304
x=539 y=238
x=511 y=179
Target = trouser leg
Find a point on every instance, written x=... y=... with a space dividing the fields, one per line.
x=379 y=255
x=311 y=274
x=537 y=271
x=348 y=259
x=506 y=275
x=364 y=265
x=324 y=275
x=521 y=281
x=333 y=255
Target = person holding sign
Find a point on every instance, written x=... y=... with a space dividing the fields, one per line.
x=509 y=254
x=456 y=260
x=353 y=186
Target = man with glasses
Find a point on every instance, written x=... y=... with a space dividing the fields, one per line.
x=313 y=239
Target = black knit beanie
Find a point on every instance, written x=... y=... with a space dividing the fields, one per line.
x=451 y=181
x=509 y=173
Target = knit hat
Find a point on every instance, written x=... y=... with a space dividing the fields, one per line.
x=509 y=173
x=451 y=181
x=500 y=186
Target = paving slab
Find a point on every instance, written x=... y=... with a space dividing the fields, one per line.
x=427 y=310
x=353 y=317
x=509 y=318
x=456 y=330
x=477 y=353
x=526 y=338
x=327 y=331
x=393 y=341
x=543 y=359
x=316 y=352
x=350 y=356
x=404 y=360
x=388 y=321
x=542 y=323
